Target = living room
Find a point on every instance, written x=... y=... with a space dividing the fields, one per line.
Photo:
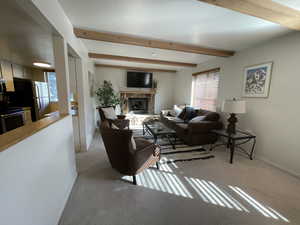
x=169 y=112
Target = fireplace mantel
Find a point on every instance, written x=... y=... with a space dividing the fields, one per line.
x=151 y=91
x=138 y=93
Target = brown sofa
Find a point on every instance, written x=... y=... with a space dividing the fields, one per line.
x=123 y=157
x=194 y=129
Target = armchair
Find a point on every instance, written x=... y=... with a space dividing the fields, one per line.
x=123 y=156
x=118 y=121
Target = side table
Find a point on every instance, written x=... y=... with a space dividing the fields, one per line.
x=233 y=141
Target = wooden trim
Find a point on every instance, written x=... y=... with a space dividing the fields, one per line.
x=150 y=43
x=49 y=70
x=264 y=9
x=148 y=92
x=142 y=69
x=207 y=71
x=140 y=60
x=19 y=134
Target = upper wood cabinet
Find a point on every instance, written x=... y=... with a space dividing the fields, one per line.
x=27 y=73
x=18 y=71
x=7 y=75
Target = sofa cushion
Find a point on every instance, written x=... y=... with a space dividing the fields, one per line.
x=212 y=116
x=181 y=128
x=174 y=119
x=197 y=119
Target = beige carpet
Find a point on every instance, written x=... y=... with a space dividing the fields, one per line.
x=208 y=192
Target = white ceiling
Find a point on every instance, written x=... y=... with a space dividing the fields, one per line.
x=186 y=21
x=25 y=36
x=290 y=3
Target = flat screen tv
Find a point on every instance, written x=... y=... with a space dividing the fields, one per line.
x=139 y=79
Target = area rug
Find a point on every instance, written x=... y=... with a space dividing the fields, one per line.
x=181 y=153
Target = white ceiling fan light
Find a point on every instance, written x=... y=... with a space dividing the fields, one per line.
x=42 y=64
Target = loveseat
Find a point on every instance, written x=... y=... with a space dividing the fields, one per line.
x=193 y=126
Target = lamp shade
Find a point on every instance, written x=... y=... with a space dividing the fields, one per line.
x=234 y=106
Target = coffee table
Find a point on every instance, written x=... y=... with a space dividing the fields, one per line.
x=157 y=129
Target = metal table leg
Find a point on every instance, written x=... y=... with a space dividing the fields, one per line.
x=232 y=143
x=252 y=150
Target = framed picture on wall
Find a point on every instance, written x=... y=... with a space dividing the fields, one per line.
x=257 y=80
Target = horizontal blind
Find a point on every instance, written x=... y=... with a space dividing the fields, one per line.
x=205 y=90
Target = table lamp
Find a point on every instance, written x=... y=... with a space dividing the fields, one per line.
x=233 y=107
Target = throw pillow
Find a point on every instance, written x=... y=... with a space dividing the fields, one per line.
x=182 y=114
x=177 y=110
x=190 y=113
x=197 y=119
x=109 y=113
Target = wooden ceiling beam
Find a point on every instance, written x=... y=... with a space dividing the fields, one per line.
x=140 y=60
x=264 y=9
x=150 y=43
x=142 y=69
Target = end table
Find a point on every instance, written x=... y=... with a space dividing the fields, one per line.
x=233 y=141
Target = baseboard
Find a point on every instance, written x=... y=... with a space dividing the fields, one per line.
x=67 y=198
x=278 y=166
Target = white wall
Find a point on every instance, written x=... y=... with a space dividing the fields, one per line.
x=165 y=87
x=37 y=176
x=275 y=120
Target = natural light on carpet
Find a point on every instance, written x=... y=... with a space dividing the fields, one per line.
x=165 y=180
x=161 y=181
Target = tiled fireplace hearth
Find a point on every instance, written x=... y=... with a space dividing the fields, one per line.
x=138 y=101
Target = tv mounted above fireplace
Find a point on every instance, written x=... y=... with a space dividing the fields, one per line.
x=139 y=79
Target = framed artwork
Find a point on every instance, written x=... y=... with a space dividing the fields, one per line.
x=257 y=80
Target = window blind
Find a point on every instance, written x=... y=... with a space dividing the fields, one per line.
x=205 y=90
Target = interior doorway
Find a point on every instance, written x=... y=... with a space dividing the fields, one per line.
x=73 y=74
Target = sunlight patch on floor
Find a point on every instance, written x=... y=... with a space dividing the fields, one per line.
x=161 y=181
x=264 y=210
x=211 y=193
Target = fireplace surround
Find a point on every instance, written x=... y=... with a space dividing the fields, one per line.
x=138 y=105
x=138 y=101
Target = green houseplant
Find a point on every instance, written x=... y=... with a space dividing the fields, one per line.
x=106 y=95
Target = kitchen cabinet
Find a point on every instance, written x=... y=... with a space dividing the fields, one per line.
x=7 y=75
x=17 y=71
x=27 y=73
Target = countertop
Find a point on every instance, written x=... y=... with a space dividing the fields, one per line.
x=17 y=135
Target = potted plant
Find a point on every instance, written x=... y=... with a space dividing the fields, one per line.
x=107 y=96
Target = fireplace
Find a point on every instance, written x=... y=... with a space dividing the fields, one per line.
x=138 y=101
x=138 y=105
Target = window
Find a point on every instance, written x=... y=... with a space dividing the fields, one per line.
x=52 y=86
x=205 y=90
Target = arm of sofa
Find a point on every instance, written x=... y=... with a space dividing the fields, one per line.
x=204 y=126
x=167 y=112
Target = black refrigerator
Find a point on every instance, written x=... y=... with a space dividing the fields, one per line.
x=27 y=94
